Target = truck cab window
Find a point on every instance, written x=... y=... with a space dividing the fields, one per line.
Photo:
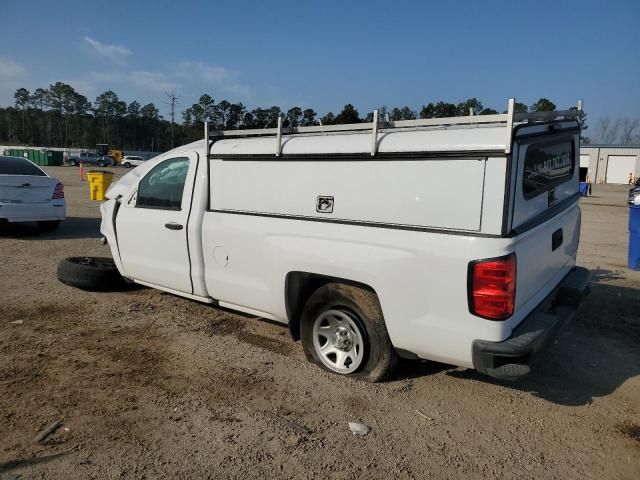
x=162 y=187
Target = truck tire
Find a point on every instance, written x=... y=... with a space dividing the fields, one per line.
x=73 y=163
x=95 y=274
x=343 y=331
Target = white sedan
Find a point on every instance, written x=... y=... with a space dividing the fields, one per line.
x=28 y=194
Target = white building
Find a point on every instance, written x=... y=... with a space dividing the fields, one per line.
x=610 y=163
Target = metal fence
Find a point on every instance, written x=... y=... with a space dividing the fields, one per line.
x=77 y=151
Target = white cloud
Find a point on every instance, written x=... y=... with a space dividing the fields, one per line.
x=138 y=84
x=12 y=76
x=217 y=78
x=114 y=53
x=152 y=81
x=11 y=70
x=202 y=70
x=188 y=78
x=93 y=83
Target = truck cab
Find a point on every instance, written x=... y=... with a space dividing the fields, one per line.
x=83 y=157
x=358 y=238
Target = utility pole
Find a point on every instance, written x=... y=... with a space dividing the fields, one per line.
x=172 y=103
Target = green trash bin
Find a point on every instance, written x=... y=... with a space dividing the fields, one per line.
x=17 y=152
x=37 y=157
x=53 y=158
x=42 y=157
x=32 y=155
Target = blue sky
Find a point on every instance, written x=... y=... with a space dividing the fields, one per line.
x=324 y=54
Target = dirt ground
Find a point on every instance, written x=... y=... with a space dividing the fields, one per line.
x=150 y=385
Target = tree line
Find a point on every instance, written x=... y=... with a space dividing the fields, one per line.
x=59 y=116
x=619 y=131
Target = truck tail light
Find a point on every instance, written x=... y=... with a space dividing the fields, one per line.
x=492 y=287
x=58 y=192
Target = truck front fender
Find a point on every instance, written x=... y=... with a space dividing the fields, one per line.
x=109 y=210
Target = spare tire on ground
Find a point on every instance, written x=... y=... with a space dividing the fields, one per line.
x=96 y=274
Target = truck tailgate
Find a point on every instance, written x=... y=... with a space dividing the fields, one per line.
x=545 y=254
x=545 y=215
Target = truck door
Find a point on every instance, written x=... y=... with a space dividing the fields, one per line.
x=152 y=225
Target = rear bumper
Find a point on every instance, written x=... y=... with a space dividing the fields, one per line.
x=16 y=212
x=511 y=359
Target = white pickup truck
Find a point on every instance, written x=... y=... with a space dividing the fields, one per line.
x=450 y=239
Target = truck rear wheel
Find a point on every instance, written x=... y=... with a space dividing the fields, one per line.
x=343 y=331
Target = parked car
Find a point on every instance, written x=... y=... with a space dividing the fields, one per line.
x=88 y=158
x=360 y=241
x=132 y=161
x=633 y=194
x=28 y=194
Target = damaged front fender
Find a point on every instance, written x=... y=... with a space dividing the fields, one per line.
x=109 y=210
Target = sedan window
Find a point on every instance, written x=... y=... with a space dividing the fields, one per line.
x=19 y=166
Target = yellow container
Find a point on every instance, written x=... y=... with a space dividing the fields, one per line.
x=99 y=181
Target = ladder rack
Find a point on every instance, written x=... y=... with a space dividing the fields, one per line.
x=509 y=118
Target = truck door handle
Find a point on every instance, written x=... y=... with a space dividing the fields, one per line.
x=556 y=239
x=173 y=226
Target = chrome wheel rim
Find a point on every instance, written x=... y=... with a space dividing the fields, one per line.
x=338 y=341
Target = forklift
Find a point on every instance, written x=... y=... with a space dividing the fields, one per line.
x=102 y=149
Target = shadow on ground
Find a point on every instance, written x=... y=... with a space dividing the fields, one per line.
x=410 y=369
x=25 y=462
x=71 y=228
x=594 y=355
